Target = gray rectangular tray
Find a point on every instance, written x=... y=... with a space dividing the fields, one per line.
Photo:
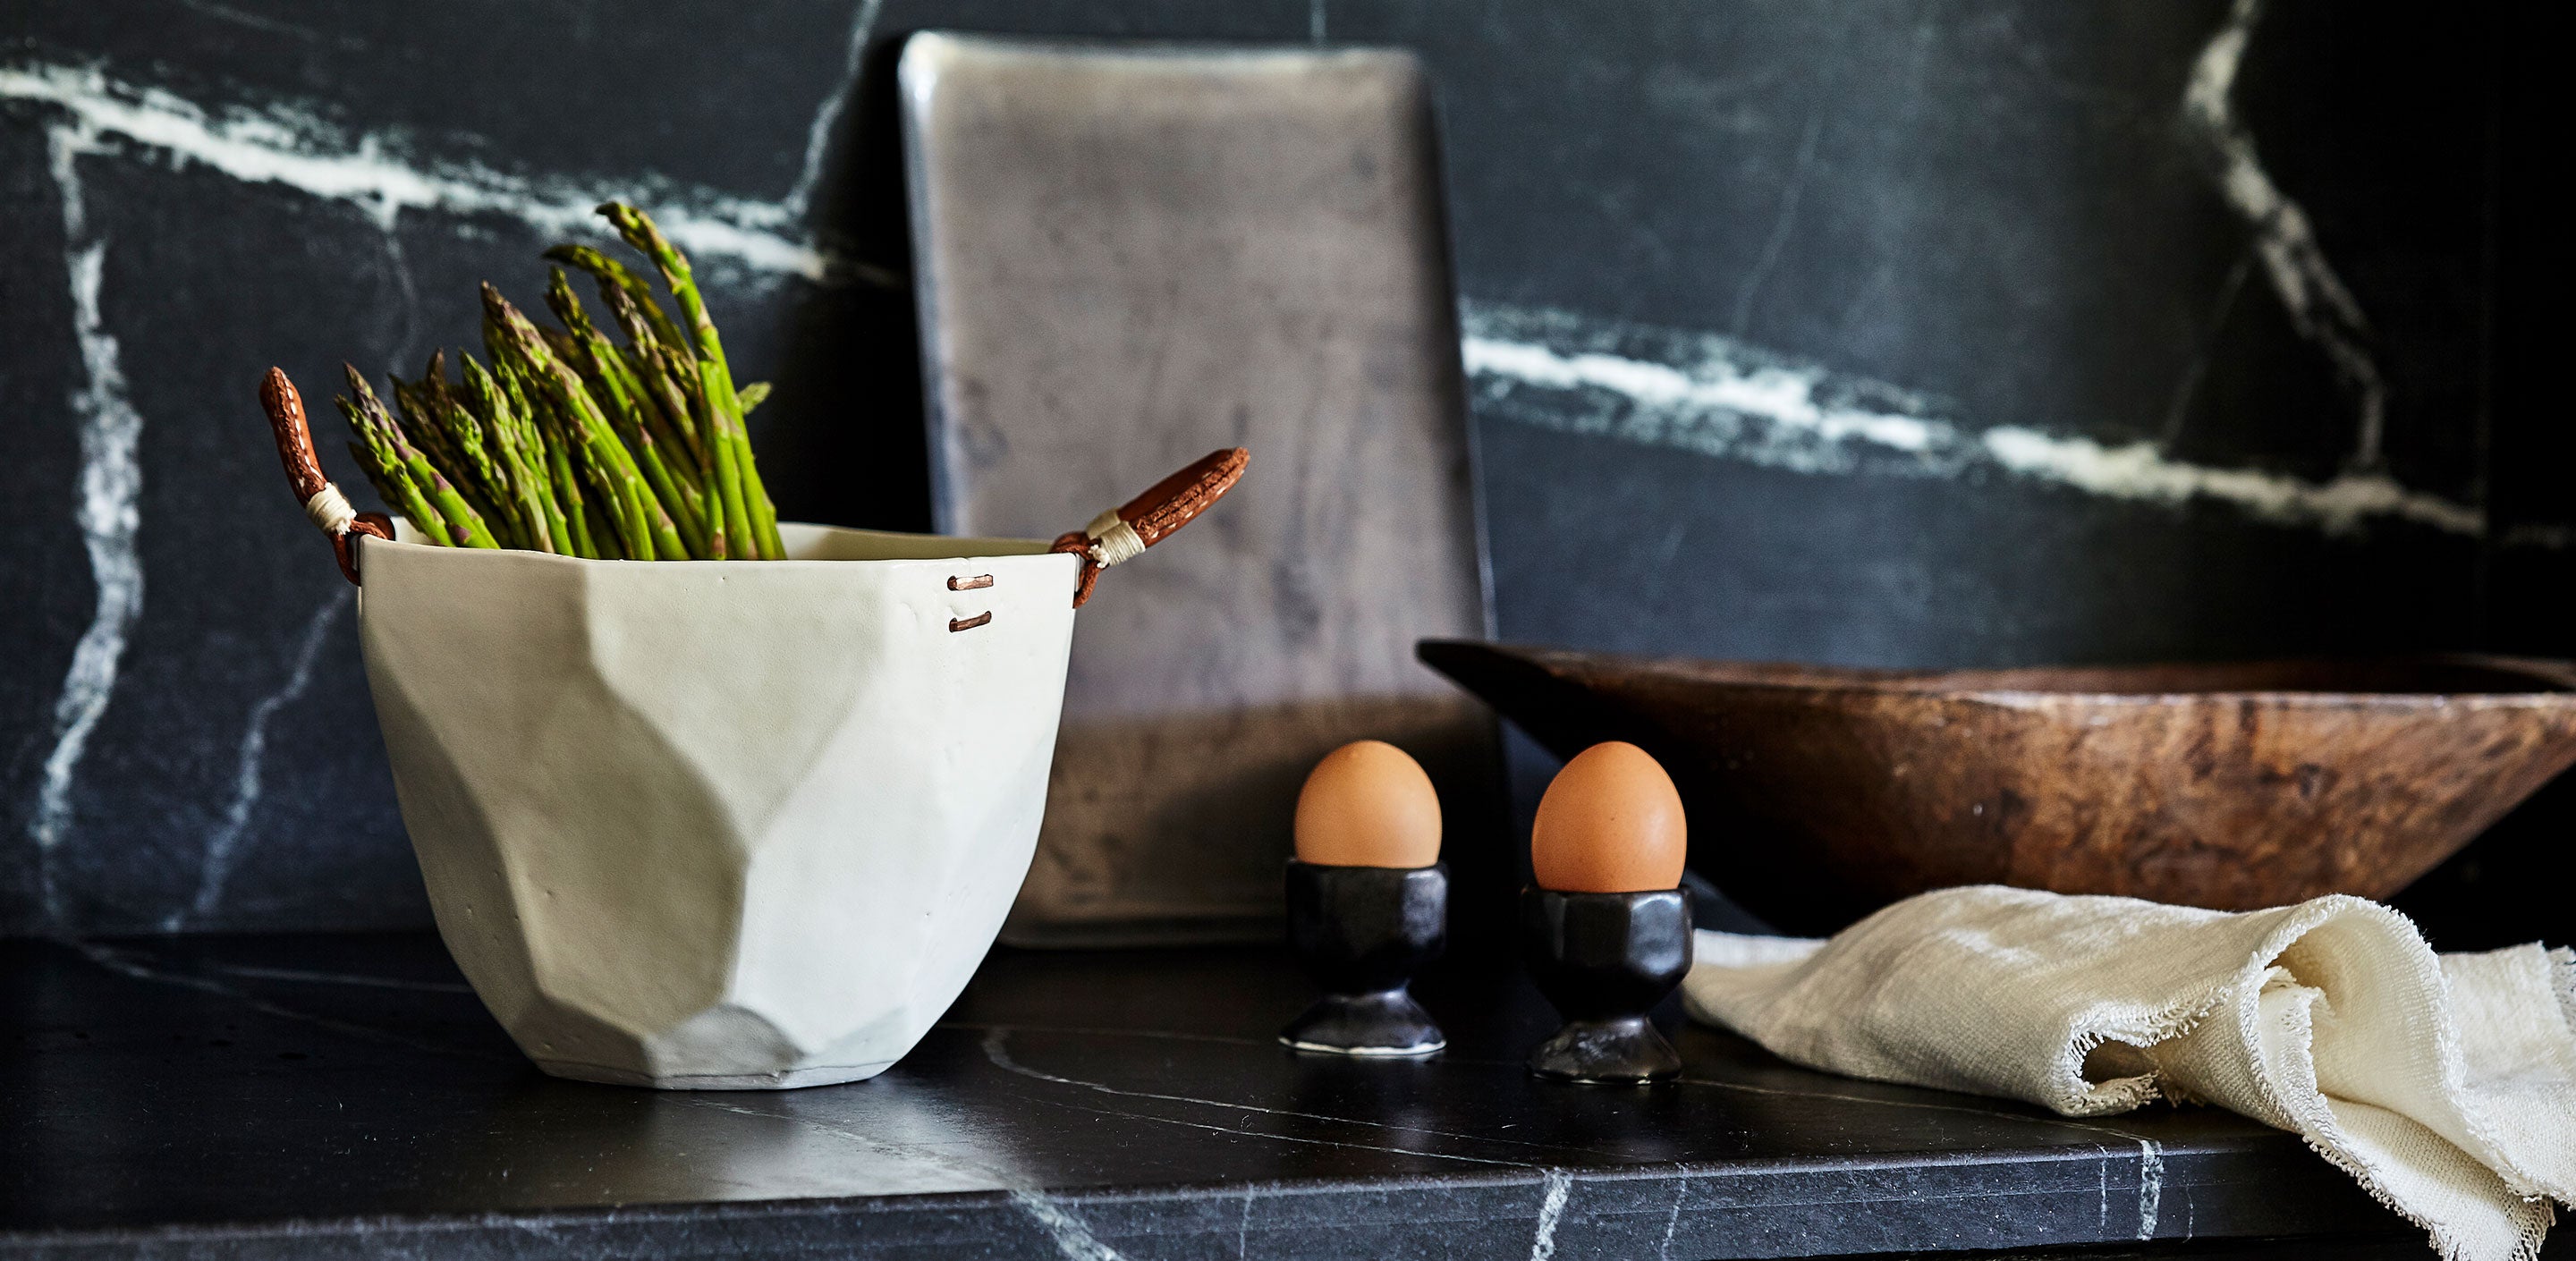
x=1129 y=255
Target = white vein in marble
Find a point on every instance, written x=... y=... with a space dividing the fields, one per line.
x=271 y=26
x=1072 y=1237
x=223 y=845
x=307 y=976
x=827 y=116
x=398 y=268
x=1681 y=1195
x=996 y=1049
x=1558 y=1185
x=2151 y=1186
x=107 y=514
x=138 y=965
x=384 y=173
x=1783 y=222
x=1717 y=396
x=2320 y=306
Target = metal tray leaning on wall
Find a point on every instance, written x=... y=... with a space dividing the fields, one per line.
x=1126 y=251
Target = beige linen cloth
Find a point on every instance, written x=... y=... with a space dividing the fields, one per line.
x=2446 y=1084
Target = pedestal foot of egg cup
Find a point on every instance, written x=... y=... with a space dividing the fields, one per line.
x=1361 y=932
x=1605 y=960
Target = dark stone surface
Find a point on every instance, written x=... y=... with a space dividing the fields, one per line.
x=1997 y=216
x=326 y=1096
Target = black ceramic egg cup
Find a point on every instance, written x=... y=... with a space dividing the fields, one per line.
x=1361 y=932
x=1605 y=960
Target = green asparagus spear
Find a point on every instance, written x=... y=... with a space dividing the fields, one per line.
x=679 y=371
x=366 y=461
x=556 y=340
x=638 y=230
x=596 y=504
x=464 y=526
x=676 y=372
x=653 y=410
x=385 y=472
x=645 y=360
x=608 y=371
x=386 y=448
x=725 y=473
x=546 y=465
x=527 y=489
x=646 y=530
x=676 y=444
x=567 y=495
x=387 y=476
x=411 y=410
x=425 y=410
x=569 y=443
x=554 y=389
x=625 y=408
x=612 y=274
x=481 y=473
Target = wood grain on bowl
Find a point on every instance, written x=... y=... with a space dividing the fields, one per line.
x=1817 y=794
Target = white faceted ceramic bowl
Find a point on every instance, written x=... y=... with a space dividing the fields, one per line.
x=721 y=825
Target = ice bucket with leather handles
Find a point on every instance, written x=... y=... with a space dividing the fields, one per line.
x=723 y=824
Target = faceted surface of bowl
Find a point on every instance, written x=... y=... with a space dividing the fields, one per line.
x=720 y=825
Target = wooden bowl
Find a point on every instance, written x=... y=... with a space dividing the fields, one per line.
x=1817 y=795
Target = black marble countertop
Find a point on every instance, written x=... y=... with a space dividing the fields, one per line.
x=346 y=1095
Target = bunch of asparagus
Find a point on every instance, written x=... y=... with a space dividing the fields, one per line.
x=573 y=444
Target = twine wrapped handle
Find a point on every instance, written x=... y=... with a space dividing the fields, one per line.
x=324 y=505
x=1123 y=533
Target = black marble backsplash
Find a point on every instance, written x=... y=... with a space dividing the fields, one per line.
x=1912 y=333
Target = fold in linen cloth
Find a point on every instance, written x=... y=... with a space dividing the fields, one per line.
x=2446 y=1084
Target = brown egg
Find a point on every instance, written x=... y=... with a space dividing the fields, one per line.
x=1368 y=804
x=1611 y=822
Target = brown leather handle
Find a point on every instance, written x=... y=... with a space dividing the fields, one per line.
x=294 y=436
x=1151 y=517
